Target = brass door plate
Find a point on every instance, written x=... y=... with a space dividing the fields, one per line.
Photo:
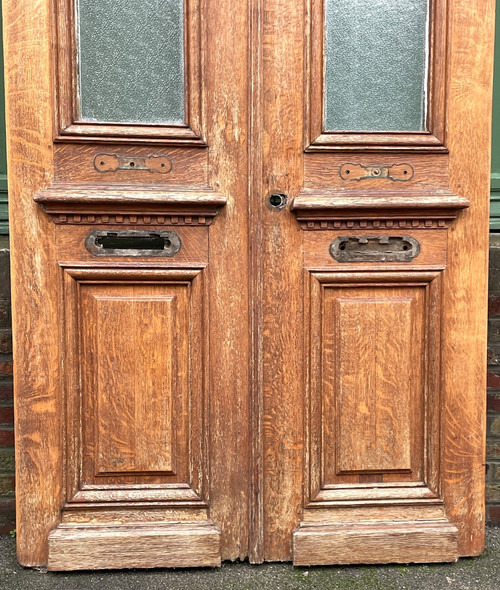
x=395 y=172
x=114 y=162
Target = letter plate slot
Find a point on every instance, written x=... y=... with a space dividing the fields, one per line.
x=374 y=249
x=133 y=243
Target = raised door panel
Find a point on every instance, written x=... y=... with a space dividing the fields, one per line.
x=136 y=342
x=136 y=420
x=135 y=354
x=378 y=389
x=373 y=385
x=373 y=399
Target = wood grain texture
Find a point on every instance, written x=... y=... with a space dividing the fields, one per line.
x=379 y=380
x=35 y=291
x=346 y=333
x=255 y=283
x=227 y=80
x=265 y=373
x=397 y=542
x=432 y=242
x=136 y=405
x=322 y=170
x=133 y=360
x=282 y=366
x=189 y=165
x=71 y=250
x=391 y=202
x=465 y=285
x=138 y=546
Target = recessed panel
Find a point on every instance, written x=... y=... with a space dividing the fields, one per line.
x=136 y=377
x=376 y=60
x=134 y=383
x=131 y=61
x=373 y=380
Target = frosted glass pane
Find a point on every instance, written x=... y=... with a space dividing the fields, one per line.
x=131 y=60
x=376 y=65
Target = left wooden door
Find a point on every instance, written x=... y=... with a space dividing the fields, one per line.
x=128 y=170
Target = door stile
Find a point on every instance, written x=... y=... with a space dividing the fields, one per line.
x=465 y=282
x=37 y=372
x=226 y=99
x=282 y=149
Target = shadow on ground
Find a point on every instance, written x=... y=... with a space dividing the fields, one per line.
x=480 y=573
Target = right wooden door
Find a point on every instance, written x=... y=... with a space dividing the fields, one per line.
x=375 y=134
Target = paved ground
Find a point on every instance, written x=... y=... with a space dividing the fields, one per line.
x=481 y=573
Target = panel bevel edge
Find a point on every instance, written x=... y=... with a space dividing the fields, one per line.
x=70 y=129
x=319 y=140
x=422 y=497
x=169 y=495
x=173 y=528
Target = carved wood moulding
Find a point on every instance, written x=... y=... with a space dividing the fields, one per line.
x=145 y=205
x=361 y=210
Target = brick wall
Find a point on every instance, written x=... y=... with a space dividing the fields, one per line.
x=7 y=504
x=493 y=403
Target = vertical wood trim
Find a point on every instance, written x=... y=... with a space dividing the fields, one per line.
x=227 y=76
x=35 y=296
x=283 y=362
x=255 y=281
x=465 y=289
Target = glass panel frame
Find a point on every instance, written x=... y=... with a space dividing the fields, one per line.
x=318 y=138
x=70 y=127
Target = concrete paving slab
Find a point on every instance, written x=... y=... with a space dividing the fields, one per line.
x=480 y=573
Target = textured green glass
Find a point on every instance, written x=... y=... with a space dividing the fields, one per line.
x=376 y=65
x=131 y=60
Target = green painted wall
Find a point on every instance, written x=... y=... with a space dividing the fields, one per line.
x=4 y=215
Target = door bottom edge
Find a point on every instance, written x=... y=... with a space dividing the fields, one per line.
x=151 y=545
x=410 y=541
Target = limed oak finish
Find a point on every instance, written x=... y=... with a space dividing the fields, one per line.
x=246 y=335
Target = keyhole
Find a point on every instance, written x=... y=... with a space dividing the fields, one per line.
x=278 y=200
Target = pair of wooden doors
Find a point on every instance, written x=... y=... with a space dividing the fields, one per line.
x=242 y=329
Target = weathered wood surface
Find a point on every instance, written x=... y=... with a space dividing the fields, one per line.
x=137 y=546
x=397 y=542
x=465 y=285
x=264 y=376
x=36 y=292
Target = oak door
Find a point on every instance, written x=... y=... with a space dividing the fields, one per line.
x=249 y=248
